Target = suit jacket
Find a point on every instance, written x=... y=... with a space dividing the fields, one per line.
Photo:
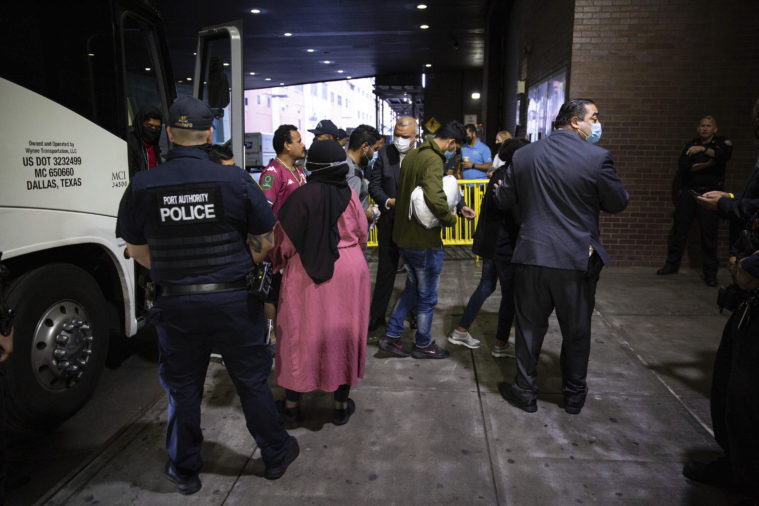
x=561 y=183
x=383 y=183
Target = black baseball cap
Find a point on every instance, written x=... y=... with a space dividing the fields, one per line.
x=342 y=134
x=325 y=126
x=190 y=113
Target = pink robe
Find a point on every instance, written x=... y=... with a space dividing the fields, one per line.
x=322 y=329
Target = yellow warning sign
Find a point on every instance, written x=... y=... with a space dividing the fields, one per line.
x=432 y=125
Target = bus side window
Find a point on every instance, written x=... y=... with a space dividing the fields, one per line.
x=65 y=56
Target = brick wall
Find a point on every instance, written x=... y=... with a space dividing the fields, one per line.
x=546 y=38
x=654 y=68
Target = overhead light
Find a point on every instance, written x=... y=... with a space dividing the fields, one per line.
x=476 y=95
x=195 y=54
x=287 y=34
x=424 y=27
x=349 y=77
x=252 y=73
x=340 y=71
x=226 y=64
x=421 y=7
x=255 y=11
x=326 y=62
x=267 y=79
x=309 y=50
x=147 y=69
x=90 y=54
x=428 y=65
x=188 y=78
x=281 y=84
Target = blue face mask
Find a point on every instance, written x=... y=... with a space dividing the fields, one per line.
x=595 y=133
x=449 y=154
x=374 y=157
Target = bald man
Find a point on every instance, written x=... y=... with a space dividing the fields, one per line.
x=382 y=187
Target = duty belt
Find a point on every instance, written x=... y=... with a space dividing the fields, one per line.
x=194 y=289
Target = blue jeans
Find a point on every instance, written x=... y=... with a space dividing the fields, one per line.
x=492 y=271
x=423 y=267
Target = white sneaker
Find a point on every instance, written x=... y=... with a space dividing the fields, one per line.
x=463 y=339
x=506 y=351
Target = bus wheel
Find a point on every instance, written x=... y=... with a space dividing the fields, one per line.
x=61 y=343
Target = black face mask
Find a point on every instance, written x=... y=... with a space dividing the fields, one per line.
x=469 y=140
x=151 y=136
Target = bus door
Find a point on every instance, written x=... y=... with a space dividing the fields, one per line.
x=218 y=82
x=145 y=88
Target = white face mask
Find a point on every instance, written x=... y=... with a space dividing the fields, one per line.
x=401 y=144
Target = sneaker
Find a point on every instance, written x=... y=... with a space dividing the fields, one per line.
x=392 y=345
x=185 y=486
x=341 y=416
x=275 y=472
x=431 y=351
x=506 y=351
x=463 y=339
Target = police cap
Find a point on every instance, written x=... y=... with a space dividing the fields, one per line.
x=325 y=126
x=190 y=113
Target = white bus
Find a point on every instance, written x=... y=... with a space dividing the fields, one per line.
x=72 y=78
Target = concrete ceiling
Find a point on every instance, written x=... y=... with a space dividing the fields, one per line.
x=362 y=38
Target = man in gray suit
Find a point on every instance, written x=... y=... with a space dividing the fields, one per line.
x=560 y=184
x=383 y=187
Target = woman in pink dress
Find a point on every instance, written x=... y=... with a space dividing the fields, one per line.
x=324 y=298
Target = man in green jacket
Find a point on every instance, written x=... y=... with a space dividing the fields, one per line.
x=421 y=249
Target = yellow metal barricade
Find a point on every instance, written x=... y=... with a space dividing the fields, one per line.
x=462 y=233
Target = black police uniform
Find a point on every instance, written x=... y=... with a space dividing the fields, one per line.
x=686 y=208
x=735 y=396
x=195 y=217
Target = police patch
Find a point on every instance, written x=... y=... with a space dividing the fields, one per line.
x=188 y=204
x=267 y=181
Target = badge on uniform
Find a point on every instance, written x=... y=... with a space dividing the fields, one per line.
x=189 y=204
x=267 y=181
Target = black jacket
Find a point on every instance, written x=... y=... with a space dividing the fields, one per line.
x=383 y=183
x=745 y=204
x=138 y=154
x=497 y=230
x=710 y=178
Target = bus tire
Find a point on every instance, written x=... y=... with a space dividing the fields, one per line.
x=60 y=345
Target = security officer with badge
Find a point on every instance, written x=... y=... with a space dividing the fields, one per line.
x=199 y=227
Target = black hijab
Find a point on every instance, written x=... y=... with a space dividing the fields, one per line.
x=309 y=215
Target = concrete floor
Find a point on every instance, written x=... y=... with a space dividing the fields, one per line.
x=438 y=432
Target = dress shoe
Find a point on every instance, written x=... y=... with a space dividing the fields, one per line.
x=715 y=473
x=185 y=486
x=667 y=269
x=373 y=324
x=710 y=280
x=514 y=400
x=278 y=470
x=573 y=408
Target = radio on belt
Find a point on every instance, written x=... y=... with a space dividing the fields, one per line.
x=259 y=280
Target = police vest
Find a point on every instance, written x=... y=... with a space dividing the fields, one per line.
x=188 y=234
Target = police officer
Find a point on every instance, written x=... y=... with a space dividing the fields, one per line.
x=199 y=226
x=701 y=169
x=735 y=394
